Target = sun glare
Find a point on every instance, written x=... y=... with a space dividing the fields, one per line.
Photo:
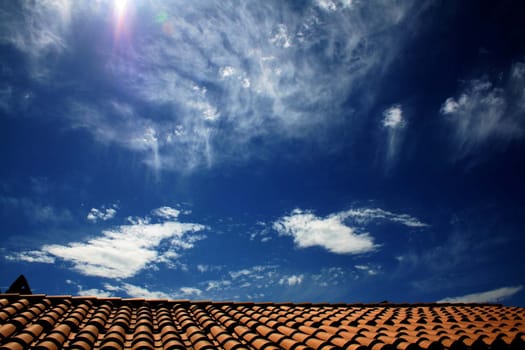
x=120 y=7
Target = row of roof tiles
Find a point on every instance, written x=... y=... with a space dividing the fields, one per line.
x=64 y=322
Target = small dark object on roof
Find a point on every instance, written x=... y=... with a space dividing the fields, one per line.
x=20 y=286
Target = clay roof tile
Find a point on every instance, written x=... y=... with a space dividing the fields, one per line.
x=93 y=323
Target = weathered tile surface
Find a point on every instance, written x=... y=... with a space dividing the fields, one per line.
x=65 y=322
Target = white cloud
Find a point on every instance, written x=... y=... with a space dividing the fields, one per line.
x=367 y=269
x=450 y=106
x=262 y=232
x=40 y=32
x=217 y=285
x=487 y=112
x=123 y=251
x=135 y=291
x=490 y=296
x=169 y=257
x=393 y=122
x=166 y=212
x=253 y=272
x=95 y=292
x=247 y=282
x=334 y=5
x=333 y=233
x=292 y=280
x=226 y=71
x=202 y=268
x=101 y=293
x=32 y=256
x=190 y=291
x=281 y=37
x=103 y=214
x=330 y=233
x=244 y=283
x=276 y=74
x=393 y=117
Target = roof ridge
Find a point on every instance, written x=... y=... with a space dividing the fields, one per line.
x=246 y=303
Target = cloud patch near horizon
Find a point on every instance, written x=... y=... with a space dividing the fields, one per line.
x=334 y=233
x=491 y=296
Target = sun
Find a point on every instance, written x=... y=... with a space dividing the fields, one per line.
x=119 y=10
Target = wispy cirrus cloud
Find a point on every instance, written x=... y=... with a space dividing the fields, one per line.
x=256 y=282
x=39 y=30
x=254 y=272
x=366 y=215
x=36 y=211
x=491 y=296
x=243 y=73
x=334 y=5
x=122 y=251
x=340 y=233
x=488 y=112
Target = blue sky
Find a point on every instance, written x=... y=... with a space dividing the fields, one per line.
x=324 y=150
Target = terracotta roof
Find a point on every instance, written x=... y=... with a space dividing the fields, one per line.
x=65 y=322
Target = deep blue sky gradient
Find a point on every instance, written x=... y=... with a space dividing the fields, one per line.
x=96 y=117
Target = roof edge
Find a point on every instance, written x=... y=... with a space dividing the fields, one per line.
x=119 y=300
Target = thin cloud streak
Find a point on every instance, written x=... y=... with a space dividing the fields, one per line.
x=365 y=215
x=491 y=296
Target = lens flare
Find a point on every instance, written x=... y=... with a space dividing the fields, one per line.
x=119 y=9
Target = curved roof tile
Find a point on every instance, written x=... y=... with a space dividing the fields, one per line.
x=85 y=323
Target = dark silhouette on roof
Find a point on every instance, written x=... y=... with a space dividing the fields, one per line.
x=20 y=286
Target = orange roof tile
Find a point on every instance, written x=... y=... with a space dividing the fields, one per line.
x=65 y=322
